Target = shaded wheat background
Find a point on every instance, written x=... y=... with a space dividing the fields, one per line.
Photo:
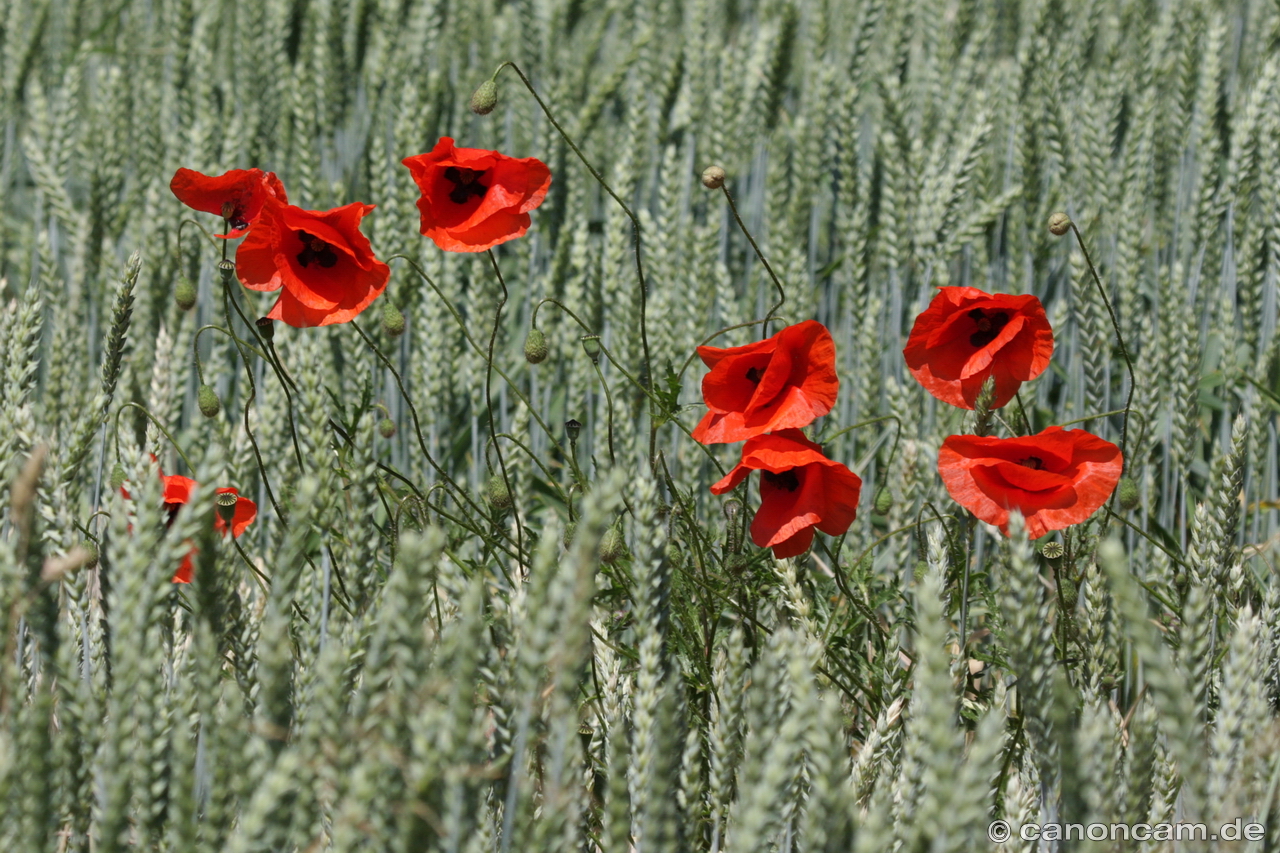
x=400 y=687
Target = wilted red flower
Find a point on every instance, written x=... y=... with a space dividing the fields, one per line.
x=237 y=196
x=966 y=335
x=473 y=199
x=1056 y=478
x=783 y=382
x=177 y=492
x=800 y=489
x=325 y=266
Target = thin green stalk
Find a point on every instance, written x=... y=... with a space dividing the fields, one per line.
x=782 y=294
x=158 y=426
x=488 y=400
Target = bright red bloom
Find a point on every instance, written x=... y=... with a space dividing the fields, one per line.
x=800 y=489
x=783 y=382
x=325 y=266
x=473 y=199
x=966 y=335
x=1056 y=478
x=177 y=492
x=237 y=196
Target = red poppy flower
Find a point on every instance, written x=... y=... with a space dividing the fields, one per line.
x=473 y=199
x=783 y=382
x=1056 y=478
x=237 y=196
x=325 y=266
x=177 y=492
x=966 y=335
x=800 y=489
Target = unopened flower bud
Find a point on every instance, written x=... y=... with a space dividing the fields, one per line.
x=266 y=327
x=1059 y=224
x=1128 y=493
x=117 y=476
x=569 y=530
x=387 y=428
x=226 y=502
x=91 y=551
x=497 y=493
x=485 y=98
x=1052 y=551
x=612 y=545
x=392 y=319
x=535 y=347
x=713 y=177
x=208 y=401
x=591 y=346
x=572 y=427
x=884 y=501
x=185 y=294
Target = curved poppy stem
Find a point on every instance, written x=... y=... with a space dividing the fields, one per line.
x=488 y=400
x=550 y=479
x=688 y=361
x=158 y=425
x=1124 y=350
x=195 y=345
x=264 y=582
x=782 y=294
x=562 y=307
x=635 y=225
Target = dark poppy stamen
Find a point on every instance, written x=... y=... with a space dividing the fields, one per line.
x=786 y=480
x=754 y=375
x=1032 y=462
x=172 y=509
x=989 y=326
x=466 y=183
x=315 y=249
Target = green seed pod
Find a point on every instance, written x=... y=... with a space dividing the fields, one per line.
x=572 y=427
x=266 y=327
x=591 y=346
x=1052 y=550
x=387 y=428
x=227 y=506
x=535 y=347
x=226 y=267
x=612 y=545
x=392 y=319
x=117 y=476
x=497 y=494
x=208 y=400
x=485 y=98
x=884 y=501
x=1128 y=493
x=185 y=294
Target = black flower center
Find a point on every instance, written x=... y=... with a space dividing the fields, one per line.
x=1032 y=462
x=466 y=183
x=754 y=375
x=315 y=249
x=786 y=480
x=989 y=326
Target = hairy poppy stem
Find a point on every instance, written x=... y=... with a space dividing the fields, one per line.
x=1124 y=350
x=782 y=294
x=488 y=400
x=158 y=426
x=635 y=224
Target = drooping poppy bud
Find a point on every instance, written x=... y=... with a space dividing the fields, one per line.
x=884 y=501
x=485 y=98
x=185 y=294
x=535 y=347
x=613 y=545
x=1128 y=493
x=392 y=319
x=117 y=476
x=208 y=401
x=497 y=493
x=387 y=428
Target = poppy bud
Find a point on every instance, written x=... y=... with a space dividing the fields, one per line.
x=208 y=401
x=1052 y=551
x=387 y=428
x=227 y=506
x=117 y=476
x=392 y=319
x=612 y=545
x=713 y=177
x=226 y=267
x=572 y=427
x=591 y=346
x=185 y=294
x=497 y=493
x=535 y=347
x=266 y=327
x=1128 y=493
x=569 y=529
x=1059 y=224
x=884 y=501
x=921 y=569
x=91 y=549
x=675 y=555
x=485 y=98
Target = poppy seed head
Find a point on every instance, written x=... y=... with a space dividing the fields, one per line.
x=227 y=506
